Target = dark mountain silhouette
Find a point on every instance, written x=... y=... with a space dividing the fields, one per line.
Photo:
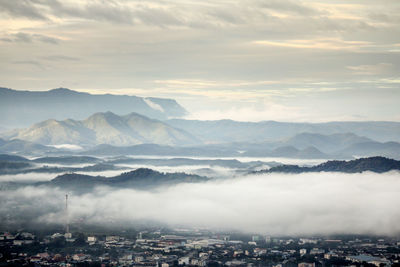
x=374 y=164
x=66 y=160
x=6 y=166
x=140 y=178
x=13 y=158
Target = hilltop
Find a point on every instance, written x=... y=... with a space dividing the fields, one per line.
x=141 y=178
x=373 y=164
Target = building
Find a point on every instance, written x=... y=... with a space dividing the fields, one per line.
x=184 y=260
x=367 y=258
x=303 y=251
x=91 y=240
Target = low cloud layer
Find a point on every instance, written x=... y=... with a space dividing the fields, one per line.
x=278 y=204
x=27 y=177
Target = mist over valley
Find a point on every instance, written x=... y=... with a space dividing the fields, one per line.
x=261 y=133
x=132 y=168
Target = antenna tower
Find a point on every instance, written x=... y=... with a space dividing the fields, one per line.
x=66 y=215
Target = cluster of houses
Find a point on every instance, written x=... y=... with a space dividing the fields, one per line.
x=194 y=249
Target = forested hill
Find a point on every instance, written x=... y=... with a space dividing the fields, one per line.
x=141 y=178
x=374 y=164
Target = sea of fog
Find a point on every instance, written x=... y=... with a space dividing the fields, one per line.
x=276 y=204
x=201 y=169
x=27 y=177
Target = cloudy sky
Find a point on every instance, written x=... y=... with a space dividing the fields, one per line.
x=310 y=60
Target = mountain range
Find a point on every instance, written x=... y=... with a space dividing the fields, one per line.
x=312 y=145
x=133 y=134
x=23 y=108
x=391 y=149
x=230 y=150
x=106 y=133
x=103 y=128
x=228 y=131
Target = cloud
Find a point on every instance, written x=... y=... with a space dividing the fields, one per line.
x=97 y=10
x=68 y=147
x=377 y=69
x=254 y=113
x=27 y=177
x=153 y=105
x=202 y=83
x=321 y=43
x=204 y=50
x=60 y=58
x=34 y=63
x=278 y=204
x=291 y=7
x=184 y=14
x=112 y=11
x=22 y=8
x=23 y=37
x=46 y=39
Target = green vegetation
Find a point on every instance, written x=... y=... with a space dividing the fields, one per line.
x=374 y=164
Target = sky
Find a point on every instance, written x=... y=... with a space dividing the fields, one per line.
x=285 y=60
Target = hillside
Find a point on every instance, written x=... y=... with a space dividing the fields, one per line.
x=103 y=128
x=23 y=108
x=23 y=147
x=228 y=131
x=11 y=164
x=326 y=143
x=373 y=164
x=387 y=149
x=140 y=178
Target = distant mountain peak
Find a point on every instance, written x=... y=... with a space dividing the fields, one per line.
x=61 y=89
x=64 y=91
x=62 y=103
x=104 y=128
x=107 y=114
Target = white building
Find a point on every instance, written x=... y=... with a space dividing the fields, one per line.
x=184 y=260
x=91 y=239
x=303 y=251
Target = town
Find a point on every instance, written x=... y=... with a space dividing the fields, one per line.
x=192 y=247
